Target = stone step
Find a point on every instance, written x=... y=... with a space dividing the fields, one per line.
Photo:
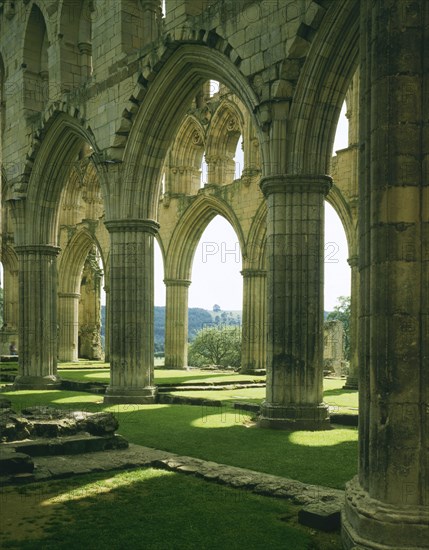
x=12 y=462
x=68 y=445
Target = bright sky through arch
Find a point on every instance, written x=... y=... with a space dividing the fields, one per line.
x=217 y=264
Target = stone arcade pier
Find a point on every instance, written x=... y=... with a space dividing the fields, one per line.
x=131 y=300
x=295 y=244
x=387 y=504
x=38 y=317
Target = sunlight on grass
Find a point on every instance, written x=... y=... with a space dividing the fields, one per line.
x=223 y=419
x=88 y=398
x=323 y=439
x=96 y=488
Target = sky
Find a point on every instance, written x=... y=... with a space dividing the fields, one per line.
x=216 y=277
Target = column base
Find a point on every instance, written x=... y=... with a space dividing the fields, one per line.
x=257 y=372
x=351 y=383
x=51 y=382
x=142 y=396
x=294 y=417
x=370 y=524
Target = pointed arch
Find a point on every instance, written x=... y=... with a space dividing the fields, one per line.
x=73 y=258
x=321 y=89
x=184 y=159
x=182 y=247
x=342 y=207
x=35 y=63
x=165 y=104
x=75 y=24
x=257 y=240
x=226 y=126
x=60 y=142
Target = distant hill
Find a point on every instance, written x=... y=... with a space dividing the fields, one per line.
x=198 y=318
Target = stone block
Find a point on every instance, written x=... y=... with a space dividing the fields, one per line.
x=12 y=462
x=321 y=515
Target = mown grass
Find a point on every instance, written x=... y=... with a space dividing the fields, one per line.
x=340 y=400
x=222 y=435
x=161 y=376
x=154 y=510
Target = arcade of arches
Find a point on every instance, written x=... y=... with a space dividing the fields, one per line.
x=106 y=117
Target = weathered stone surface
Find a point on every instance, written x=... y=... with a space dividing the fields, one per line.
x=48 y=422
x=100 y=423
x=12 y=462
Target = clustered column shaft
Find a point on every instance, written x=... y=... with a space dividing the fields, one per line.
x=254 y=326
x=68 y=307
x=176 y=323
x=295 y=245
x=387 y=504
x=38 y=329
x=131 y=311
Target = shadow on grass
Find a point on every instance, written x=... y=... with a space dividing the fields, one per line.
x=223 y=435
x=153 y=509
x=339 y=391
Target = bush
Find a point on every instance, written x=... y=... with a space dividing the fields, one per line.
x=220 y=345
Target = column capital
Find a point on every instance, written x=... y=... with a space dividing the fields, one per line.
x=177 y=282
x=297 y=183
x=253 y=272
x=68 y=295
x=353 y=261
x=43 y=249
x=129 y=224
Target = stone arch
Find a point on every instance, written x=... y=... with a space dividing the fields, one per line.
x=75 y=32
x=342 y=207
x=182 y=247
x=71 y=269
x=73 y=258
x=332 y=59
x=48 y=168
x=184 y=159
x=257 y=240
x=226 y=126
x=161 y=113
x=35 y=62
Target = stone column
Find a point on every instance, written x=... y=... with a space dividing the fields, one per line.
x=253 y=347
x=152 y=20
x=90 y=310
x=131 y=311
x=176 y=323
x=295 y=245
x=68 y=307
x=387 y=504
x=107 y=326
x=38 y=329
x=9 y=329
x=352 y=378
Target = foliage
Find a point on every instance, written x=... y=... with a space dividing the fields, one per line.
x=342 y=313
x=216 y=346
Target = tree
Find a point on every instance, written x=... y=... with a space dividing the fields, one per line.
x=216 y=346
x=342 y=313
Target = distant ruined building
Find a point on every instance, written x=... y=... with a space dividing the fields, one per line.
x=108 y=112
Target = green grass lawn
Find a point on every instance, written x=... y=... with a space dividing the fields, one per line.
x=150 y=510
x=221 y=434
x=168 y=376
